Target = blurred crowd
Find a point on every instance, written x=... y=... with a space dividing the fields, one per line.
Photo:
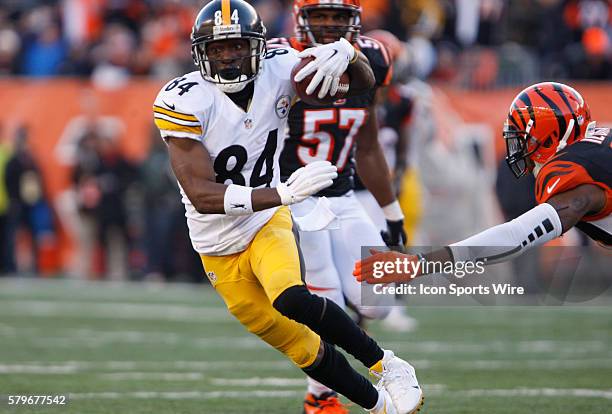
x=474 y=43
x=126 y=217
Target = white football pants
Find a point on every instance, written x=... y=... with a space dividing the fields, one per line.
x=330 y=254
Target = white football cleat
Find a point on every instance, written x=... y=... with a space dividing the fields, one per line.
x=399 y=321
x=399 y=379
x=385 y=403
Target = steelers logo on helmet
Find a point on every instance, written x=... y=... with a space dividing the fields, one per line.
x=325 y=21
x=228 y=43
x=543 y=119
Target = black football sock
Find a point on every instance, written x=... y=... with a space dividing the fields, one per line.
x=330 y=322
x=334 y=371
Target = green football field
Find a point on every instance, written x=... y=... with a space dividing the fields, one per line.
x=143 y=348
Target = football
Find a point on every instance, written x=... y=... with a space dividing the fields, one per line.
x=313 y=99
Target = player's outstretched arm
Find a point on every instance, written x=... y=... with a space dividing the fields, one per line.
x=193 y=167
x=506 y=241
x=573 y=205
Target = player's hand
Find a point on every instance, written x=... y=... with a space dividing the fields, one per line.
x=394 y=235
x=331 y=61
x=307 y=181
x=365 y=271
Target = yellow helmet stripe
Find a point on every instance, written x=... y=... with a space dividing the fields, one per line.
x=225 y=11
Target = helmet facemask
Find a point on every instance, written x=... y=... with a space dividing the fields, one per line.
x=243 y=70
x=313 y=34
x=519 y=148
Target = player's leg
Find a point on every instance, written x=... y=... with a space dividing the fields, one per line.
x=321 y=278
x=397 y=320
x=275 y=261
x=356 y=230
x=319 y=270
x=246 y=299
x=371 y=207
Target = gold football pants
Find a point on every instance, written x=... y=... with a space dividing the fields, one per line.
x=250 y=281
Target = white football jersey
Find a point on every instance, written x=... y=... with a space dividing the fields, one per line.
x=244 y=146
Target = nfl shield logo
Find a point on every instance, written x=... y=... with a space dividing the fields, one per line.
x=212 y=277
x=248 y=123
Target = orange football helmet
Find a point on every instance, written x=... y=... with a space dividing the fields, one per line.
x=308 y=34
x=543 y=119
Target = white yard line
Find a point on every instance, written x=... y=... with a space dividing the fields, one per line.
x=27 y=287
x=112 y=310
x=153 y=376
x=563 y=347
x=435 y=389
x=183 y=395
x=38 y=369
x=66 y=338
x=538 y=392
x=137 y=369
x=102 y=341
x=259 y=381
x=69 y=367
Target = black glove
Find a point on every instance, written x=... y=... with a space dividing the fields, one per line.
x=394 y=235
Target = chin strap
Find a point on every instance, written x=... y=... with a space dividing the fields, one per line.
x=568 y=131
x=231 y=85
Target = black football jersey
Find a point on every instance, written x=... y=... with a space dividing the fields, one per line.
x=328 y=132
x=588 y=161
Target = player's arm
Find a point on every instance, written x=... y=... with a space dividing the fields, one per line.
x=370 y=159
x=539 y=225
x=193 y=168
x=573 y=205
x=360 y=74
x=506 y=241
x=374 y=173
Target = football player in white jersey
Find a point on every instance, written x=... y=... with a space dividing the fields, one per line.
x=223 y=125
x=548 y=131
x=344 y=133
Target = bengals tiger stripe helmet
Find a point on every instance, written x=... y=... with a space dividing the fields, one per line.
x=308 y=34
x=543 y=119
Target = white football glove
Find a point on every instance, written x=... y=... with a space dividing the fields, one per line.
x=331 y=61
x=307 y=181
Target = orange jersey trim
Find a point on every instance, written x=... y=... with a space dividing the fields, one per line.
x=559 y=176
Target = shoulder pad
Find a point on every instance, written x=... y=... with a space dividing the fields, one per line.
x=379 y=59
x=558 y=176
x=180 y=106
x=277 y=42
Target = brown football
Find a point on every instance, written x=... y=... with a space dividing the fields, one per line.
x=313 y=99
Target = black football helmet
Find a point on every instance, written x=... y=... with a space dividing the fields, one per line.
x=229 y=19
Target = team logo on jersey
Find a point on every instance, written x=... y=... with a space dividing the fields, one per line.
x=212 y=277
x=282 y=106
x=340 y=102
